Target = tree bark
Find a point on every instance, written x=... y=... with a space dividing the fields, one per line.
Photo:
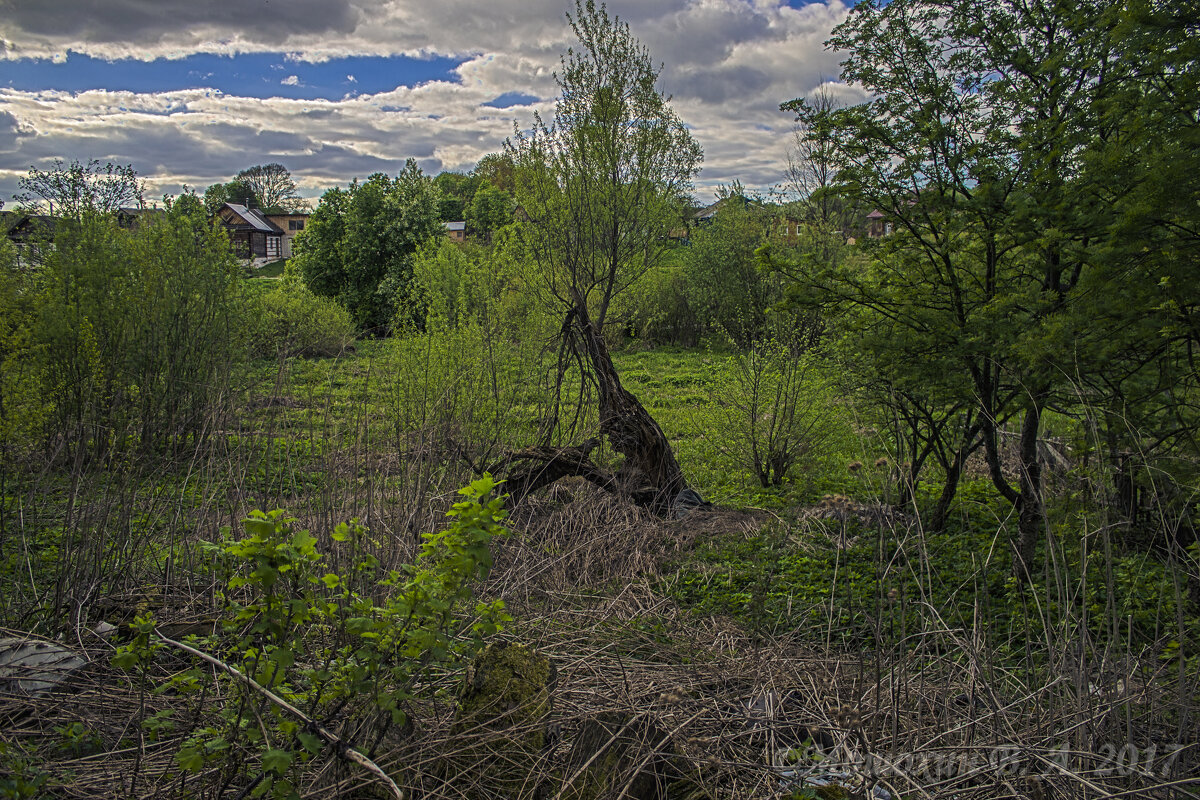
x=650 y=475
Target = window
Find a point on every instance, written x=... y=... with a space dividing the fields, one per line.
x=295 y=224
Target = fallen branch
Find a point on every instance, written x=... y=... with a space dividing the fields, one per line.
x=342 y=749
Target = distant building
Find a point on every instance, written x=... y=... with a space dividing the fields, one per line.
x=291 y=225
x=253 y=235
x=457 y=231
x=878 y=225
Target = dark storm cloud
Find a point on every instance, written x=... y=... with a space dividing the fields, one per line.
x=97 y=21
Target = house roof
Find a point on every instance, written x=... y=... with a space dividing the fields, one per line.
x=455 y=226
x=254 y=218
x=876 y=214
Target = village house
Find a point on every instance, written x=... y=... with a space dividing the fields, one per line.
x=457 y=231
x=252 y=234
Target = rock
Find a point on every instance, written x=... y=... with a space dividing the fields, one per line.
x=33 y=667
x=499 y=728
x=615 y=752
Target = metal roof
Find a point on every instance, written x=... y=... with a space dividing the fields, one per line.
x=455 y=226
x=254 y=218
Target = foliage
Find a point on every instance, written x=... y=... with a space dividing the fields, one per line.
x=235 y=191
x=730 y=296
x=324 y=640
x=490 y=210
x=602 y=186
x=358 y=245
x=135 y=332
x=289 y=320
x=273 y=187
x=72 y=190
x=457 y=191
x=497 y=169
x=772 y=410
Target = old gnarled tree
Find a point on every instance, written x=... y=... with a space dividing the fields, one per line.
x=600 y=187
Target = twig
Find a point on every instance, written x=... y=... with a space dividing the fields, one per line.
x=343 y=749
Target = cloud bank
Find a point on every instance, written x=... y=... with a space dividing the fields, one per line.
x=727 y=63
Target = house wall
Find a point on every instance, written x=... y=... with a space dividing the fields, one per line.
x=291 y=224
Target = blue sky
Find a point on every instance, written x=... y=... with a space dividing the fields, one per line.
x=190 y=92
x=259 y=75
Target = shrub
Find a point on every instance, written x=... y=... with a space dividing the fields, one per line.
x=772 y=410
x=289 y=320
x=135 y=332
x=357 y=644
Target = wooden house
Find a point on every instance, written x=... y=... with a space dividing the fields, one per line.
x=253 y=235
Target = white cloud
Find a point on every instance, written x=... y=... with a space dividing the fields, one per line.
x=728 y=64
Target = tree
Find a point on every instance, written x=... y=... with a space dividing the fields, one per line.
x=359 y=243
x=971 y=146
x=601 y=187
x=236 y=191
x=70 y=190
x=498 y=170
x=274 y=187
x=457 y=190
x=490 y=210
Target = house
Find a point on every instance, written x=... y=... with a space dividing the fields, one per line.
x=457 y=231
x=877 y=225
x=291 y=225
x=32 y=235
x=253 y=235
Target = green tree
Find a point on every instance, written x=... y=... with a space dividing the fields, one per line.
x=497 y=169
x=273 y=186
x=724 y=287
x=490 y=210
x=970 y=146
x=71 y=190
x=601 y=188
x=457 y=190
x=359 y=244
x=236 y=191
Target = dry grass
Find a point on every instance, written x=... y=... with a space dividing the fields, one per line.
x=578 y=579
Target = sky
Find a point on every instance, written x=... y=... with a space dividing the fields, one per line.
x=189 y=92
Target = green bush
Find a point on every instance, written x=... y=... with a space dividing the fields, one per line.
x=289 y=320
x=773 y=411
x=135 y=333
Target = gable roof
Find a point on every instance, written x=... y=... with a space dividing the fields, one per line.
x=254 y=218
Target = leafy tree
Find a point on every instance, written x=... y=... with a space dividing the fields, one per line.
x=497 y=169
x=71 y=190
x=490 y=210
x=724 y=287
x=601 y=189
x=457 y=190
x=970 y=146
x=236 y=191
x=273 y=187
x=359 y=244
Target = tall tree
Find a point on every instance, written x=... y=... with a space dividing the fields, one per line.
x=601 y=188
x=970 y=146
x=490 y=210
x=274 y=187
x=70 y=190
x=359 y=244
